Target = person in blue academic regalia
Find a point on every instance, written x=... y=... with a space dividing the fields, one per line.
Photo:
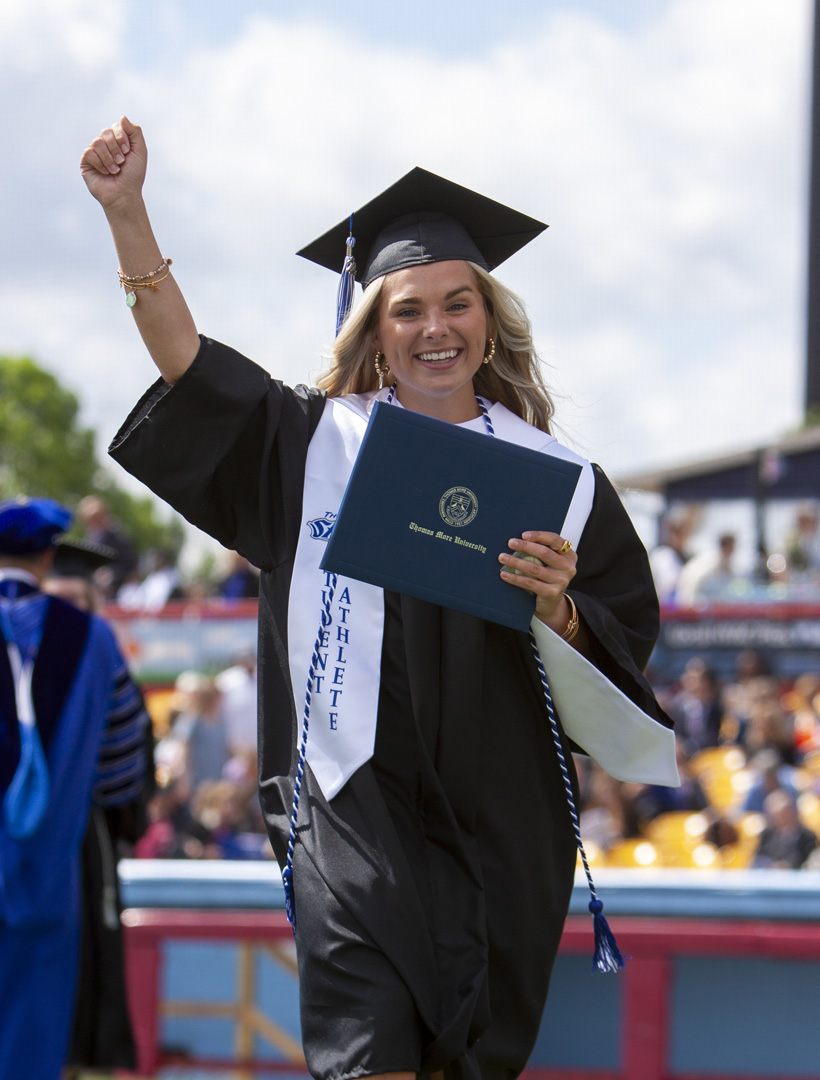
x=72 y=733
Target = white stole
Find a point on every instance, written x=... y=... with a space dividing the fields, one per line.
x=345 y=693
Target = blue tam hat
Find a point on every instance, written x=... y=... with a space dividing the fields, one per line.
x=28 y=526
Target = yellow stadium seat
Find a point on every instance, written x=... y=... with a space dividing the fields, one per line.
x=722 y=759
x=701 y=856
x=809 y=806
x=723 y=776
x=677 y=828
x=739 y=856
x=636 y=853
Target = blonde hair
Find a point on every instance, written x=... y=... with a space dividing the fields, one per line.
x=513 y=377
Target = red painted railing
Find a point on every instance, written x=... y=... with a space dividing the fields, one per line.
x=651 y=943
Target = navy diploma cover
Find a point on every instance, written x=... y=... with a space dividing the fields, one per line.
x=430 y=506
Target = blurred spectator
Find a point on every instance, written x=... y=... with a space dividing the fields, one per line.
x=200 y=727
x=161 y=584
x=802 y=705
x=668 y=558
x=606 y=816
x=229 y=827
x=697 y=710
x=237 y=685
x=708 y=575
x=199 y=590
x=102 y=1036
x=803 y=544
x=749 y=666
x=721 y=832
x=72 y=729
x=242 y=580
x=169 y=824
x=769 y=774
x=769 y=726
x=785 y=843
x=101 y=528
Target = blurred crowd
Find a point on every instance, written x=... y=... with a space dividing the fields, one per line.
x=748 y=757
x=749 y=761
x=147 y=581
x=687 y=574
x=206 y=804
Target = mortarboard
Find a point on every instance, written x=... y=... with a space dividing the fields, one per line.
x=422 y=218
x=79 y=558
x=28 y=526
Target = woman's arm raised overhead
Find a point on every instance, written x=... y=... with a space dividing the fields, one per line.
x=113 y=168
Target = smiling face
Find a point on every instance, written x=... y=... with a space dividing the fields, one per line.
x=432 y=329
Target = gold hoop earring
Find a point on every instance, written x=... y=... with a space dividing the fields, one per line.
x=382 y=372
x=491 y=353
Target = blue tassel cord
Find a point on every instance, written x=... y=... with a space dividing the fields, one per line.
x=287 y=873
x=607 y=955
x=347 y=282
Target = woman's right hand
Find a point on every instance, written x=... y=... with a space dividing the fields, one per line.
x=114 y=165
x=113 y=168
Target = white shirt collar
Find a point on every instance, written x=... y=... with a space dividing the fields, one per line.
x=16 y=573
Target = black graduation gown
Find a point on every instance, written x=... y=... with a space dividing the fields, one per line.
x=432 y=890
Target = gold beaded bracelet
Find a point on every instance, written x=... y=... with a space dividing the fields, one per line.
x=150 y=281
x=573 y=625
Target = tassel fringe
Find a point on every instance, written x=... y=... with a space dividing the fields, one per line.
x=607 y=956
x=347 y=282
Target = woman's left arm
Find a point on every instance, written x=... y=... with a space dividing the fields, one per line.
x=611 y=586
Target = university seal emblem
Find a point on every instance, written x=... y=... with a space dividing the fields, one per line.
x=458 y=506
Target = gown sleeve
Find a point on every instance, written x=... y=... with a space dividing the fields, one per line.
x=226 y=447
x=615 y=595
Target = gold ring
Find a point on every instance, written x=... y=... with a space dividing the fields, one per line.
x=565 y=547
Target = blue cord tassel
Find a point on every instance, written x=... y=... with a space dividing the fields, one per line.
x=347 y=282
x=287 y=873
x=607 y=955
x=290 y=907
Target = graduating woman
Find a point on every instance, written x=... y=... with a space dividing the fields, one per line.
x=430 y=848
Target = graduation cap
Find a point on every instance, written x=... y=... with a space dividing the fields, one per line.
x=28 y=526
x=421 y=218
x=79 y=558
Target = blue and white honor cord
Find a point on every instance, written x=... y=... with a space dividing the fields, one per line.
x=607 y=956
x=287 y=873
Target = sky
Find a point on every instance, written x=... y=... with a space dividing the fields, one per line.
x=664 y=141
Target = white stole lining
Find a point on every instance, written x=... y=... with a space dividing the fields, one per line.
x=602 y=720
